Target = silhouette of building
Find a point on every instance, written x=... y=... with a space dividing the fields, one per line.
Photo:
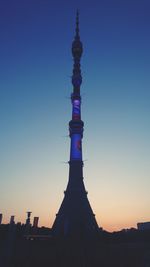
x=28 y=217
x=12 y=219
x=1 y=217
x=143 y=226
x=75 y=216
x=35 y=221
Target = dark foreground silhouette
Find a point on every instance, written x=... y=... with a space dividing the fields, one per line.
x=38 y=248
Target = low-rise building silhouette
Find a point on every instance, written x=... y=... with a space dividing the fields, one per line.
x=35 y=222
x=143 y=226
x=1 y=217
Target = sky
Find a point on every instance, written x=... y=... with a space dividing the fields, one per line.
x=35 y=108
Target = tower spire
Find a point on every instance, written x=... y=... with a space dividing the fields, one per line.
x=77 y=50
x=77 y=25
x=75 y=216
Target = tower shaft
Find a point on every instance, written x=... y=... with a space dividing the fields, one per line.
x=75 y=216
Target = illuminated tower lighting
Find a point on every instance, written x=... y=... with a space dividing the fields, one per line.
x=75 y=216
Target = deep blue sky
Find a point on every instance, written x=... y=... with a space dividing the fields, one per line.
x=35 y=85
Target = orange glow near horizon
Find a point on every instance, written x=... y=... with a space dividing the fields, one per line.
x=109 y=223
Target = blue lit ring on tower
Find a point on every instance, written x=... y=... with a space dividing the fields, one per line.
x=76 y=134
x=76 y=127
x=76 y=104
x=75 y=96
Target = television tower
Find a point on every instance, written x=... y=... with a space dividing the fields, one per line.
x=75 y=216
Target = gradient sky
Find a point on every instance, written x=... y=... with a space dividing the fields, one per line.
x=35 y=86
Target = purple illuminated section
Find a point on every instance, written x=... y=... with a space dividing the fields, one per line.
x=76 y=147
x=76 y=110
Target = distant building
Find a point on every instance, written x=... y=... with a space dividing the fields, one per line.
x=28 y=217
x=143 y=226
x=1 y=217
x=35 y=222
x=12 y=219
x=18 y=223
